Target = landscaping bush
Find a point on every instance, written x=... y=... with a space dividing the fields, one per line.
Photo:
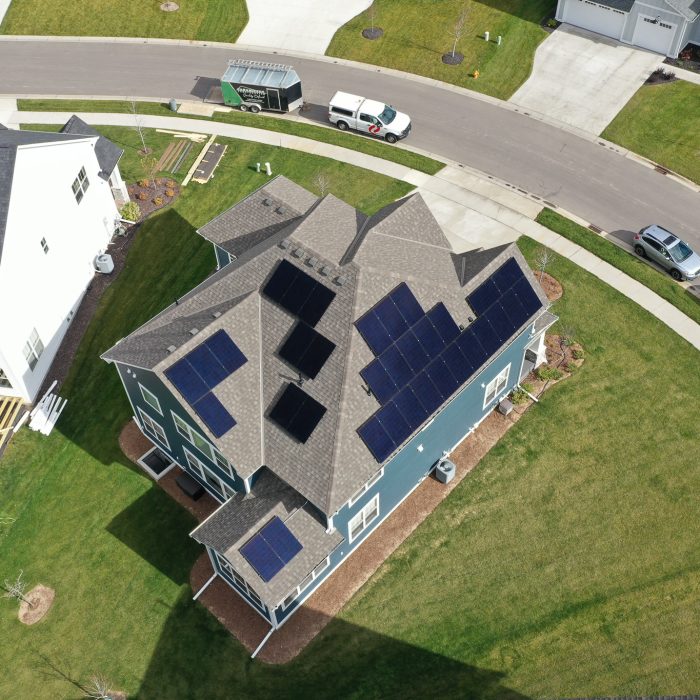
x=157 y=201
x=144 y=183
x=142 y=196
x=169 y=192
x=520 y=394
x=131 y=211
x=547 y=373
x=577 y=354
x=552 y=23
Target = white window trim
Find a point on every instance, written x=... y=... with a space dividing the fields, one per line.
x=224 y=489
x=361 y=516
x=365 y=487
x=211 y=451
x=243 y=585
x=492 y=388
x=149 y=396
x=33 y=348
x=145 y=421
x=83 y=183
x=320 y=568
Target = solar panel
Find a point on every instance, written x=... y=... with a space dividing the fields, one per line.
x=297 y=413
x=481 y=328
x=441 y=376
x=507 y=275
x=281 y=540
x=396 y=367
x=306 y=349
x=226 y=351
x=460 y=367
x=428 y=337
x=262 y=558
x=410 y=408
x=483 y=296
x=407 y=304
x=444 y=324
x=298 y=292
x=206 y=365
x=183 y=377
x=376 y=438
x=527 y=297
x=379 y=382
x=373 y=332
x=412 y=351
x=214 y=415
x=500 y=322
x=471 y=348
x=426 y=392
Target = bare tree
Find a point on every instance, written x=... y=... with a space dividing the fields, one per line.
x=460 y=26
x=16 y=589
x=98 y=688
x=322 y=182
x=149 y=166
x=544 y=258
x=137 y=119
x=567 y=335
x=372 y=12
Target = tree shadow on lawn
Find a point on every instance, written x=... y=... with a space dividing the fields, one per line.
x=157 y=529
x=196 y=658
x=522 y=10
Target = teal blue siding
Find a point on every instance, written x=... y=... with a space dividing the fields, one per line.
x=222 y=257
x=177 y=442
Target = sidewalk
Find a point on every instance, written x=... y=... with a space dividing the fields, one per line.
x=474 y=211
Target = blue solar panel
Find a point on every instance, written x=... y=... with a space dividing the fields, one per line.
x=460 y=367
x=486 y=335
x=376 y=439
x=514 y=309
x=527 y=297
x=281 y=540
x=441 y=376
x=407 y=304
x=396 y=367
x=388 y=313
x=214 y=415
x=226 y=351
x=207 y=366
x=500 y=322
x=373 y=332
x=483 y=296
x=186 y=381
x=507 y=275
x=262 y=558
x=471 y=348
x=410 y=408
x=379 y=382
x=444 y=324
x=426 y=392
x=393 y=423
x=428 y=337
x=297 y=412
x=412 y=351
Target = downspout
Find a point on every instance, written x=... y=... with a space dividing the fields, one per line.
x=535 y=399
x=205 y=586
x=262 y=644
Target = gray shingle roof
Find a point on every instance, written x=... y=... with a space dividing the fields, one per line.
x=690 y=9
x=108 y=153
x=401 y=243
x=10 y=140
x=243 y=515
x=624 y=5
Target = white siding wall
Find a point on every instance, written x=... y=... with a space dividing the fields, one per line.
x=39 y=290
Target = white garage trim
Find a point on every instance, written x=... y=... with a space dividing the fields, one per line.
x=654 y=34
x=594 y=17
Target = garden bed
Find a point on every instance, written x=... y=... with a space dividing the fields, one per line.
x=688 y=59
x=38 y=602
x=152 y=195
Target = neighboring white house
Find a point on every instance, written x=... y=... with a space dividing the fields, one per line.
x=57 y=213
x=664 y=26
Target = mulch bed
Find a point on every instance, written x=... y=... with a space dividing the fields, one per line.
x=451 y=60
x=153 y=192
x=372 y=33
x=551 y=286
x=688 y=59
x=40 y=601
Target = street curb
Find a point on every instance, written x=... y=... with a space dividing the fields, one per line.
x=431 y=82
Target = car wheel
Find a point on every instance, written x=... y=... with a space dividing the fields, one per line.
x=639 y=250
x=243 y=108
x=391 y=138
x=342 y=126
x=254 y=109
x=675 y=274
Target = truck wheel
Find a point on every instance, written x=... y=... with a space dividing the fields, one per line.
x=391 y=138
x=243 y=107
x=254 y=109
x=342 y=126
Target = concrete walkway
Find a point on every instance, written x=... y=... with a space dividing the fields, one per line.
x=584 y=79
x=475 y=211
x=276 y=25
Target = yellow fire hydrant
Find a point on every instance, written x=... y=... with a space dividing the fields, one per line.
x=476 y=73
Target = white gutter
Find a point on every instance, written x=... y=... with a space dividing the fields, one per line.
x=262 y=644
x=205 y=586
x=535 y=399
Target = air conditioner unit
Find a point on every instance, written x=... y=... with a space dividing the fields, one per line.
x=104 y=263
x=445 y=471
x=505 y=406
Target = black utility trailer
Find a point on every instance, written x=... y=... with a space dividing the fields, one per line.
x=253 y=85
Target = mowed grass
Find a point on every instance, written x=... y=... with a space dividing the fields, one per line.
x=211 y=20
x=417 y=34
x=356 y=142
x=565 y=565
x=660 y=122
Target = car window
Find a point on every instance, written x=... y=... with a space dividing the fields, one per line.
x=652 y=243
x=681 y=251
x=365 y=118
x=388 y=115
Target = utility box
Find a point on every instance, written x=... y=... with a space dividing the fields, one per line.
x=445 y=471
x=104 y=263
x=254 y=85
x=505 y=407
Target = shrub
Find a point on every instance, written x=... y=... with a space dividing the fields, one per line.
x=157 y=201
x=526 y=386
x=551 y=22
x=577 y=354
x=170 y=193
x=171 y=184
x=547 y=373
x=144 y=183
x=142 y=196
x=519 y=397
x=131 y=211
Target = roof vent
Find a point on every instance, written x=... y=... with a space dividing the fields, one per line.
x=194 y=331
x=312 y=262
x=341 y=280
x=216 y=314
x=171 y=348
x=297 y=252
x=267 y=202
x=325 y=270
x=281 y=210
x=284 y=244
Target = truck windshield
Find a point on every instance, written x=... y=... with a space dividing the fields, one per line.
x=387 y=116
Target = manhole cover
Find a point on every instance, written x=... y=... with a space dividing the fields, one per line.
x=169 y=7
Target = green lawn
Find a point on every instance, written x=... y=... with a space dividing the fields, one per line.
x=417 y=34
x=565 y=565
x=210 y=20
x=657 y=280
x=660 y=122
x=326 y=135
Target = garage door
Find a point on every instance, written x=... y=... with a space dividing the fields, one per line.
x=653 y=34
x=597 y=18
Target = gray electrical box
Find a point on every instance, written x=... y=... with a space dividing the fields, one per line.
x=505 y=407
x=445 y=471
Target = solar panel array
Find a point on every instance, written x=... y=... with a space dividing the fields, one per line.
x=306 y=349
x=202 y=369
x=298 y=293
x=297 y=412
x=271 y=549
x=424 y=359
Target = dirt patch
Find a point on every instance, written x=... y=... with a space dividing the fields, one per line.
x=40 y=600
x=551 y=286
x=159 y=193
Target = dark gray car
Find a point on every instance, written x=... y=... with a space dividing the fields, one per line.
x=669 y=251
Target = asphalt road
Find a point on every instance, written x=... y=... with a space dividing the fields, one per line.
x=598 y=184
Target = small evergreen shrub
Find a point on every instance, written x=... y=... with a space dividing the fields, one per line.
x=577 y=354
x=169 y=193
x=144 y=183
x=131 y=211
x=547 y=373
x=157 y=201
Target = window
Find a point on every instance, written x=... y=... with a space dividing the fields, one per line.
x=217 y=484
x=80 y=185
x=365 y=487
x=362 y=520
x=33 y=349
x=153 y=429
x=44 y=245
x=320 y=568
x=4 y=381
x=202 y=445
x=496 y=386
x=290 y=599
x=151 y=399
x=182 y=427
x=313 y=575
x=238 y=579
x=222 y=462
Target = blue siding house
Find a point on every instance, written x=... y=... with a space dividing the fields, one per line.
x=321 y=373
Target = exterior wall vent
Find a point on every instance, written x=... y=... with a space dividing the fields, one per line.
x=194 y=331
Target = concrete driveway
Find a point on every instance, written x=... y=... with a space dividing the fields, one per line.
x=584 y=79
x=297 y=25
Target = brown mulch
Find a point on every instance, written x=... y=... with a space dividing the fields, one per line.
x=40 y=601
x=551 y=286
x=147 y=205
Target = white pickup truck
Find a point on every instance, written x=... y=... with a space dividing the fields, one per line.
x=376 y=118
